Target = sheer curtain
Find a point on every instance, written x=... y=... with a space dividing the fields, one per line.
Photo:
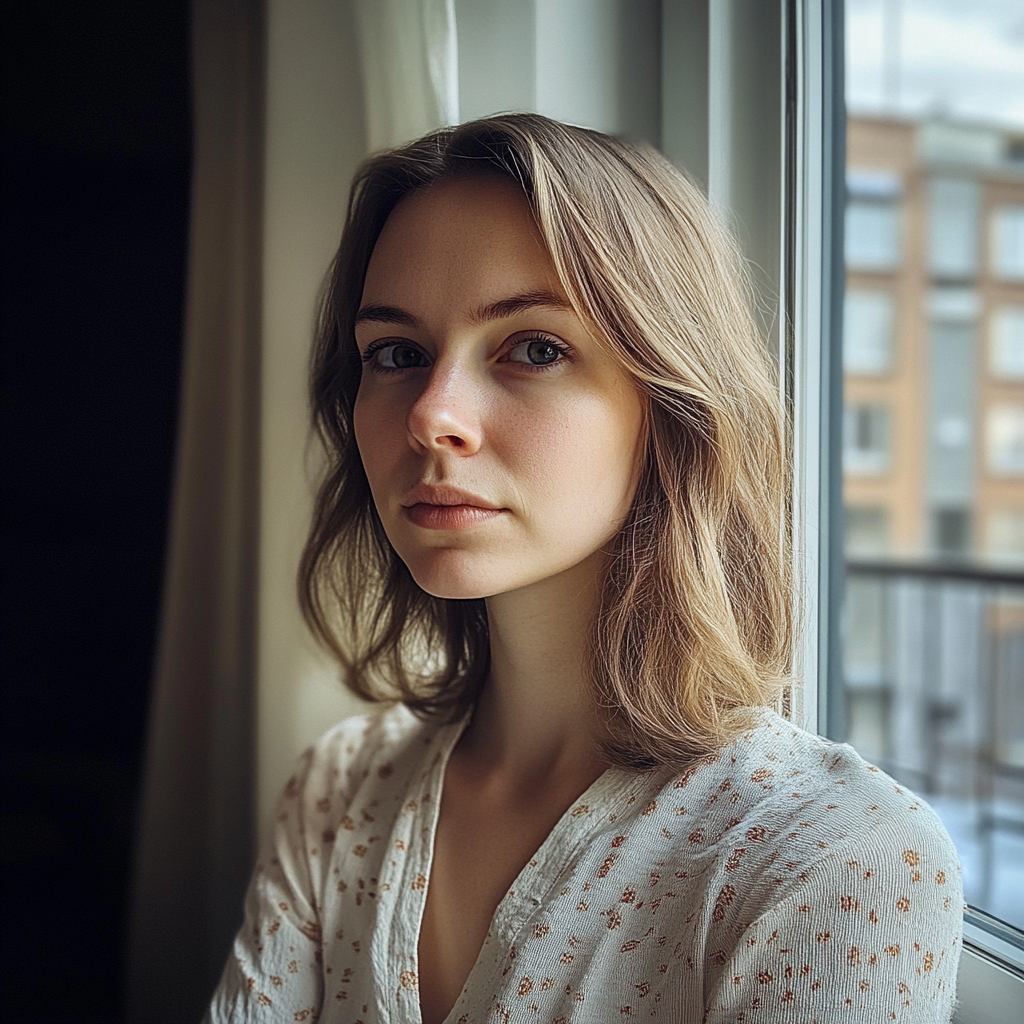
x=289 y=95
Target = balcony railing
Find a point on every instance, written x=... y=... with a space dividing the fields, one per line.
x=933 y=693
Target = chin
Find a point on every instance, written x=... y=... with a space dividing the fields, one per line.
x=439 y=577
x=459 y=576
x=452 y=587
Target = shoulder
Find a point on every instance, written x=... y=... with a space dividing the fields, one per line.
x=358 y=759
x=784 y=813
x=829 y=879
x=788 y=778
x=352 y=751
x=778 y=805
x=812 y=785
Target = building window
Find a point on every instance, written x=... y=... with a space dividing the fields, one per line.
x=867 y=531
x=866 y=439
x=1004 y=535
x=867 y=331
x=954 y=305
x=951 y=531
x=952 y=396
x=1005 y=439
x=872 y=220
x=1008 y=242
x=953 y=227
x=1006 y=343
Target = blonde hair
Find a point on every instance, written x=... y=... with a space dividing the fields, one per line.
x=695 y=622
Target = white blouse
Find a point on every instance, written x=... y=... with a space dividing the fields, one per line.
x=784 y=879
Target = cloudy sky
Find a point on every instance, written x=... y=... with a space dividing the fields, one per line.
x=962 y=57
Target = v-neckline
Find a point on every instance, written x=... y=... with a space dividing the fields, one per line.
x=610 y=784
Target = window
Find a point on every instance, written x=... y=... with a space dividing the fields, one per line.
x=953 y=227
x=1004 y=540
x=1008 y=242
x=1006 y=343
x=1004 y=439
x=951 y=531
x=927 y=680
x=867 y=530
x=866 y=433
x=953 y=305
x=867 y=331
x=952 y=388
x=872 y=220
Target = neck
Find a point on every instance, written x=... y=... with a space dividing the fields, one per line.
x=535 y=715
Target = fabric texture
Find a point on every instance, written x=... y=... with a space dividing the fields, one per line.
x=194 y=843
x=784 y=879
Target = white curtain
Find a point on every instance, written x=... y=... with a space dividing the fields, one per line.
x=409 y=57
x=289 y=95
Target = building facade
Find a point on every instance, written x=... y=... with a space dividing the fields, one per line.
x=934 y=340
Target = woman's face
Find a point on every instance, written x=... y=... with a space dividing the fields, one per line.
x=501 y=440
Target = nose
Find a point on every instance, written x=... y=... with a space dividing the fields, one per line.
x=445 y=416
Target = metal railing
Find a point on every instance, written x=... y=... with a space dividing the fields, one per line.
x=933 y=692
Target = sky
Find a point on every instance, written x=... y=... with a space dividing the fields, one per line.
x=964 y=58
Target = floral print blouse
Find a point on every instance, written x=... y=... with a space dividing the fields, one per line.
x=784 y=879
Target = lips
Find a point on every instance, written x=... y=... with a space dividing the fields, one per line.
x=439 y=507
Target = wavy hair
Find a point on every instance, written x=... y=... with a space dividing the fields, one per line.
x=695 y=621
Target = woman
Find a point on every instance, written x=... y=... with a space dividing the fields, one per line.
x=552 y=536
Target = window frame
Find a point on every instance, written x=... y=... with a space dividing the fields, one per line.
x=811 y=381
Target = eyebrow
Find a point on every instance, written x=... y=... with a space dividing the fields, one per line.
x=499 y=310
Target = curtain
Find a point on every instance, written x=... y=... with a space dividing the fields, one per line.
x=194 y=845
x=409 y=58
x=230 y=565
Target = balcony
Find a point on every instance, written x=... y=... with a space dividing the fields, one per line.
x=933 y=693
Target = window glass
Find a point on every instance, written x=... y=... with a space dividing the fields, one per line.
x=866 y=438
x=952 y=226
x=867 y=331
x=932 y=681
x=1005 y=535
x=1006 y=352
x=872 y=234
x=867 y=530
x=1008 y=242
x=1005 y=439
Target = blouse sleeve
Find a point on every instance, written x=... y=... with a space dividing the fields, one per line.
x=273 y=972
x=872 y=935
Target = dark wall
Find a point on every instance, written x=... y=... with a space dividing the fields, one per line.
x=93 y=228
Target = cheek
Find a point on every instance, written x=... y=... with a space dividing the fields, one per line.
x=374 y=432
x=363 y=433
x=582 y=460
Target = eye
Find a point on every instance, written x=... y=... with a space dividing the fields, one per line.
x=536 y=352
x=394 y=355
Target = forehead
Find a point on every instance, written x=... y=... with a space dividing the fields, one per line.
x=472 y=237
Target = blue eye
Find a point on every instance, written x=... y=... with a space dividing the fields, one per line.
x=537 y=352
x=395 y=356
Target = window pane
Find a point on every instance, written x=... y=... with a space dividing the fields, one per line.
x=866 y=439
x=952 y=226
x=932 y=686
x=1006 y=352
x=867 y=331
x=1005 y=439
x=1008 y=242
x=872 y=241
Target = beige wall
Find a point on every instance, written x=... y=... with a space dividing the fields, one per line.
x=314 y=141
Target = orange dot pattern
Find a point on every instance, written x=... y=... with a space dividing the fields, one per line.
x=784 y=879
